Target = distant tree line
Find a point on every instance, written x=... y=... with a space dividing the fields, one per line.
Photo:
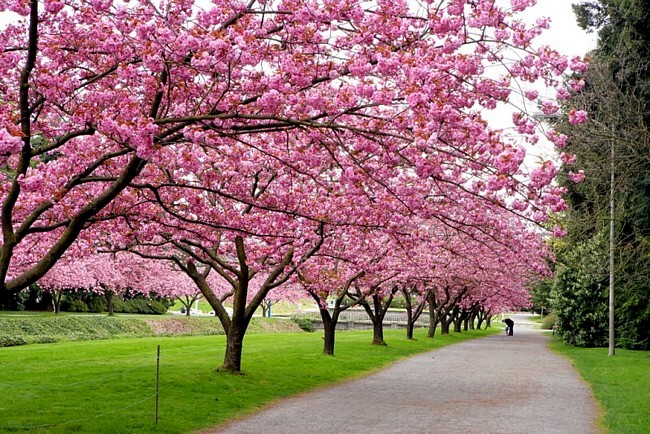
x=81 y=300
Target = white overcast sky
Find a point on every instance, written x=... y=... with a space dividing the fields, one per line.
x=564 y=34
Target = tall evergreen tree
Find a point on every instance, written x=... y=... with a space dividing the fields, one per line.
x=617 y=96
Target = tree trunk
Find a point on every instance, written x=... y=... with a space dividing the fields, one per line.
x=234 y=347
x=329 y=332
x=410 y=326
x=410 y=323
x=433 y=316
x=377 y=317
x=466 y=322
x=56 y=301
x=109 y=302
x=472 y=319
x=481 y=317
x=412 y=314
x=458 y=325
x=445 y=322
x=378 y=332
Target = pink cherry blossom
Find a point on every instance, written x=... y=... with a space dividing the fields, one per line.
x=577 y=117
x=577 y=178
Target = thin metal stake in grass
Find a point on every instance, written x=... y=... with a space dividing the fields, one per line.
x=157 y=381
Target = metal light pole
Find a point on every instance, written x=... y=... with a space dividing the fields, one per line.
x=612 y=350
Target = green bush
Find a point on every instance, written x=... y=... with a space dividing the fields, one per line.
x=580 y=294
x=74 y=305
x=121 y=306
x=46 y=339
x=97 y=304
x=306 y=324
x=158 y=307
x=11 y=341
x=548 y=323
x=139 y=305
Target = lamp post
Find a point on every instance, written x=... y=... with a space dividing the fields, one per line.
x=612 y=350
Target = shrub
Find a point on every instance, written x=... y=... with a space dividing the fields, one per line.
x=139 y=305
x=74 y=305
x=11 y=341
x=121 y=306
x=158 y=307
x=580 y=294
x=46 y=339
x=548 y=323
x=306 y=324
x=97 y=304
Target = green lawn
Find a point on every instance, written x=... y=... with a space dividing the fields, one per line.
x=109 y=386
x=621 y=384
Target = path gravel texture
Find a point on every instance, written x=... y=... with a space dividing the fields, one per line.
x=497 y=384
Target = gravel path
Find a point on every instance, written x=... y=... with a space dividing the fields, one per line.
x=498 y=384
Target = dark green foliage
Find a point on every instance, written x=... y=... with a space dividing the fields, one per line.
x=306 y=324
x=74 y=305
x=138 y=303
x=399 y=302
x=81 y=301
x=590 y=15
x=580 y=294
x=12 y=301
x=548 y=323
x=97 y=304
x=617 y=97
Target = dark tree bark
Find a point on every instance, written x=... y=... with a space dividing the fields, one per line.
x=329 y=330
x=56 y=300
x=445 y=323
x=466 y=319
x=413 y=312
x=433 y=314
x=109 y=301
x=376 y=312
x=235 y=344
x=446 y=306
x=238 y=276
x=331 y=319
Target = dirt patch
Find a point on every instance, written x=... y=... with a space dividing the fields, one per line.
x=211 y=326
x=168 y=327
x=273 y=325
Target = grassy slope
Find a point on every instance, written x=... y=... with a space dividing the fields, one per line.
x=49 y=328
x=621 y=384
x=108 y=386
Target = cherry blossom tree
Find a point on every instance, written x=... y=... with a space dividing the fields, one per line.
x=63 y=277
x=322 y=278
x=114 y=273
x=97 y=96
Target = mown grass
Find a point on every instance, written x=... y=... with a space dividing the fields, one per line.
x=621 y=385
x=109 y=386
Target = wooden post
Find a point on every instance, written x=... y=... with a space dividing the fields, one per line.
x=157 y=381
